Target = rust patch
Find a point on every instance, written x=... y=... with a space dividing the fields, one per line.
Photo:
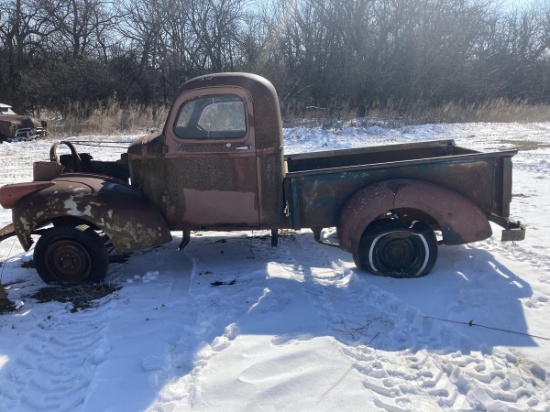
x=459 y=219
x=130 y=220
x=10 y=194
x=214 y=207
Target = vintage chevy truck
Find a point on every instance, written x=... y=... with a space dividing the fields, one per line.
x=219 y=164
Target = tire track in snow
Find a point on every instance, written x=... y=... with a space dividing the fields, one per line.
x=413 y=356
x=357 y=325
x=220 y=293
x=54 y=366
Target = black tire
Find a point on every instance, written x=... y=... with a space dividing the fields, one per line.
x=390 y=248
x=73 y=255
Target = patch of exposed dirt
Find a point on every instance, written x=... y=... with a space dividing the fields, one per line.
x=81 y=296
x=6 y=306
x=220 y=283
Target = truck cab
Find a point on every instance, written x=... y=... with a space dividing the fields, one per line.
x=218 y=162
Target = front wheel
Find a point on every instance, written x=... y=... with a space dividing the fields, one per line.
x=391 y=248
x=67 y=254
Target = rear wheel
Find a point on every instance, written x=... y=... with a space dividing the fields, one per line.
x=69 y=254
x=391 y=248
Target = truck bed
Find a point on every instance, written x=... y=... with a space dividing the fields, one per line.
x=318 y=184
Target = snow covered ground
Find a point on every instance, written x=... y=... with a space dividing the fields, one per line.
x=232 y=324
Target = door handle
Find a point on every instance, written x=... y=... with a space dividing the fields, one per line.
x=246 y=147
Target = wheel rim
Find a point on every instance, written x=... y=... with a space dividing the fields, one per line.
x=399 y=253
x=68 y=260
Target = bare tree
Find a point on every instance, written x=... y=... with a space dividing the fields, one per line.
x=327 y=53
x=20 y=33
x=215 y=26
x=79 y=26
x=144 y=32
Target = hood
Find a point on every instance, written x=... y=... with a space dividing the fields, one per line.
x=146 y=145
x=20 y=120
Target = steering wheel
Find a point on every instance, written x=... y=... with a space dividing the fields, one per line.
x=77 y=162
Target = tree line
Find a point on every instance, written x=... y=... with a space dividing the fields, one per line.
x=326 y=53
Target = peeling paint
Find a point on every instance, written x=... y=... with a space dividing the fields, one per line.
x=25 y=223
x=89 y=205
x=73 y=208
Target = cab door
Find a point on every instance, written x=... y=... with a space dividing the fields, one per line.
x=210 y=160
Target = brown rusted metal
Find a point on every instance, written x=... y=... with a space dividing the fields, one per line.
x=513 y=231
x=7 y=232
x=459 y=219
x=318 y=185
x=122 y=212
x=46 y=170
x=10 y=194
x=224 y=181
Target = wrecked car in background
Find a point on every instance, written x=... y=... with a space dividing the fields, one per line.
x=15 y=127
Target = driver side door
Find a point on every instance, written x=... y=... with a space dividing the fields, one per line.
x=211 y=171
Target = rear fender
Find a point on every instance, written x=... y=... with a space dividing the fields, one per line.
x=125 y=214
x=460 y=220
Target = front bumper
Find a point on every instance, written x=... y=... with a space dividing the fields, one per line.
x=28 y=134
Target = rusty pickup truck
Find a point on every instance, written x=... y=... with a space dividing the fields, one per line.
x=218 y=164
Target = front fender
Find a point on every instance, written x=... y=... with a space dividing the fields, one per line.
x=460 y=219
x=125 y=214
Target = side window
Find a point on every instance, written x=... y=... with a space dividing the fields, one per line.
x=212 y=117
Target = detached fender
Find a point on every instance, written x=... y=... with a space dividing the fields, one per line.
x=125 y=214
x=460 y=219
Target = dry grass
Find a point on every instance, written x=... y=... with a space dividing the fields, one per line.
x=113 y=118
x=493 y=111
x=497 y=111
x=107 y=119
x=399 y=113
